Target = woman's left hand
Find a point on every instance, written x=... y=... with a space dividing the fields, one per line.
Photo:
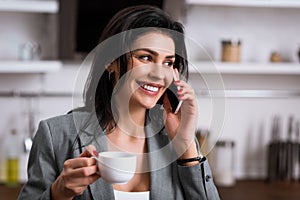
x=183 y=124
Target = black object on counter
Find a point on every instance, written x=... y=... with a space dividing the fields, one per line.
x=273 y=151
x=284 y=155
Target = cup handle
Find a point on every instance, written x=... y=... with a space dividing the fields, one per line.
x=94 y=157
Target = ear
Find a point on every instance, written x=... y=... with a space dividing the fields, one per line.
x=113 y=68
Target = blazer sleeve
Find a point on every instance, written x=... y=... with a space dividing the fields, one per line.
x=197 y=181
x=42 y=169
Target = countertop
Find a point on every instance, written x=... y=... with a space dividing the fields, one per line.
x=244 y=189
x=262 y=190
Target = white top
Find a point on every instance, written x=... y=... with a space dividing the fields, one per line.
x=120 y=195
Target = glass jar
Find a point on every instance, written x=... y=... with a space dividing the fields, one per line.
x=231 y=51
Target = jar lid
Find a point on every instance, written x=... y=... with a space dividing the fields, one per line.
x=231 y=42
x=224 y=143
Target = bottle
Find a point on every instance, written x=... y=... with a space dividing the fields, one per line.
x=222 y=159
x=12 y=159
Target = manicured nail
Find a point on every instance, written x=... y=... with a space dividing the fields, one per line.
x=95 y=153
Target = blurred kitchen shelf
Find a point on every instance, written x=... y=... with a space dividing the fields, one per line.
x=30 y=66
x=247 y=3
x=245 y=68
x=29 y=6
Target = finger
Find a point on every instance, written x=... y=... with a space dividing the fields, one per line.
x=79 y=162
x=181 y=83
x=185 y=88
x=186 y=91
x=187 y=96
x=176 y=77
x=89 y=180
x=176 y=73
x=89 y=151
x=83 y=182
x=83 y=172
x=78 y=185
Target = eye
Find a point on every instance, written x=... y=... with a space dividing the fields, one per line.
x=145 y=58
x=169 y=63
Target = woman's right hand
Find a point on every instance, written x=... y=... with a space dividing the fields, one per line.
x=77 y=174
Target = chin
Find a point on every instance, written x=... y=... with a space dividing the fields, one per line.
x=146 y=101
x=149 y=106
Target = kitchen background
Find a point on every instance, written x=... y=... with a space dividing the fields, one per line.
x=255 y=89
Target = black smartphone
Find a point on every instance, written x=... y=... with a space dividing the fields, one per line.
x=171 y=92
x=173 y=96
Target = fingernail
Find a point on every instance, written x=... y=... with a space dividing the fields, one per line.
x=95 y=153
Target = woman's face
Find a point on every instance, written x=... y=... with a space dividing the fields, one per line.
x=150 y=69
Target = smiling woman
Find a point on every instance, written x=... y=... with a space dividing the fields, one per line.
x=126 y=109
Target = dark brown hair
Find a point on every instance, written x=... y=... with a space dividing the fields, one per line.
x=99 y=87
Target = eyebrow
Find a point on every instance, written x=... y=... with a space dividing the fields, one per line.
x=152 y=52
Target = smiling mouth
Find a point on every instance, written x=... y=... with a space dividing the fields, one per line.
x=151 y=87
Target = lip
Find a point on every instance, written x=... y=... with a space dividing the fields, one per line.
x=141 y=85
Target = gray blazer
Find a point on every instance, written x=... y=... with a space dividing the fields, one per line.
x=54 y=143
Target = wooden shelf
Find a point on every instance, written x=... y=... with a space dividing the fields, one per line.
x=247 y=3
x=29 y=66
x=35 y=6
x=245 y=68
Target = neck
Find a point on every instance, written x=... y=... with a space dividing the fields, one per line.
x=132 y=122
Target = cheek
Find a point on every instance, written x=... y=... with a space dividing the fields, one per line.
x=169 y=77
x=140 y=71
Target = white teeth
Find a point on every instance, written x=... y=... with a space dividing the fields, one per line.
x=150 y=88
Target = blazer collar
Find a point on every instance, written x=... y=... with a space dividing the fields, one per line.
x=159 y=156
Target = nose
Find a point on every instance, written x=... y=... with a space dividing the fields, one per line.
x=157 y=72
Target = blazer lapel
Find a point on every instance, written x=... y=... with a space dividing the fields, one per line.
x=93 y=134
x=160 y=157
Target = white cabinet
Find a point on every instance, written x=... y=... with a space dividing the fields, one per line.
x=247 y=3
x=8 y=67
x=29 y=6
x=245 y=68
x=26 y=21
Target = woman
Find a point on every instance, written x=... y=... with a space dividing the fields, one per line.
x=140 y=51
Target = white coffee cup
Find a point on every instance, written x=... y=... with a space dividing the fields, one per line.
x=116 y=167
